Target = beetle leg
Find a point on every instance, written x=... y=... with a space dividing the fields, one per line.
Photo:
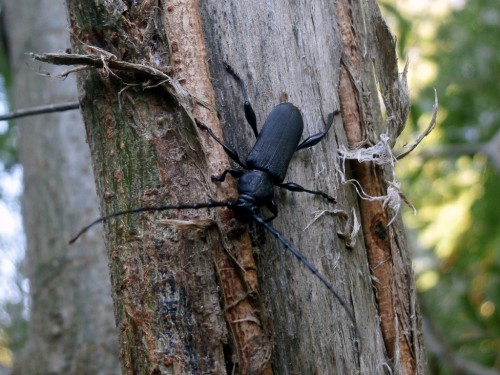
x=231 y=152
x=292 y=186
x=273 y=208
x=249 y=112
x=316 y=138
x=235 y=172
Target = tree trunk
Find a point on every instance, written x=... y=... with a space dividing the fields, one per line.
x=188 y=295
x=72 y=328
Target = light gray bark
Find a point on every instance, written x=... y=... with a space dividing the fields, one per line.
x=294 y=48
x=72 y=328
x=301 y=48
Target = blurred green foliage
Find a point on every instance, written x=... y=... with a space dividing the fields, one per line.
x=452 y=182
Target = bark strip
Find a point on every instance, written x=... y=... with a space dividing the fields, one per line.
x=239 y=285
x=389 y=263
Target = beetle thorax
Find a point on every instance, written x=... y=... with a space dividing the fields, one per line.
x=255 y=189
x=257 y=186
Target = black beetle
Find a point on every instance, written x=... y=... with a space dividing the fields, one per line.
x=265 y=167
x=267 y=162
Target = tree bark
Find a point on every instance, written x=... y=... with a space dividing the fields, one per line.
x=189 y=297
x=72 y=328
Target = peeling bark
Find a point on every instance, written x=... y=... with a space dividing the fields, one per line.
x=388 y=256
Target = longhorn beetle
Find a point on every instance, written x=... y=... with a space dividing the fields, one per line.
x=264 y=168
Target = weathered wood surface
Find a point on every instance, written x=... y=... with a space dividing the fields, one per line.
x=176 y=311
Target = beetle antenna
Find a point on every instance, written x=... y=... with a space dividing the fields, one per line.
x=102 y=219
x=308 y=264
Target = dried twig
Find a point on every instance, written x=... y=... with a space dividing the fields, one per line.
x=39 y=110
x=110 y=63
x=431 y=126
